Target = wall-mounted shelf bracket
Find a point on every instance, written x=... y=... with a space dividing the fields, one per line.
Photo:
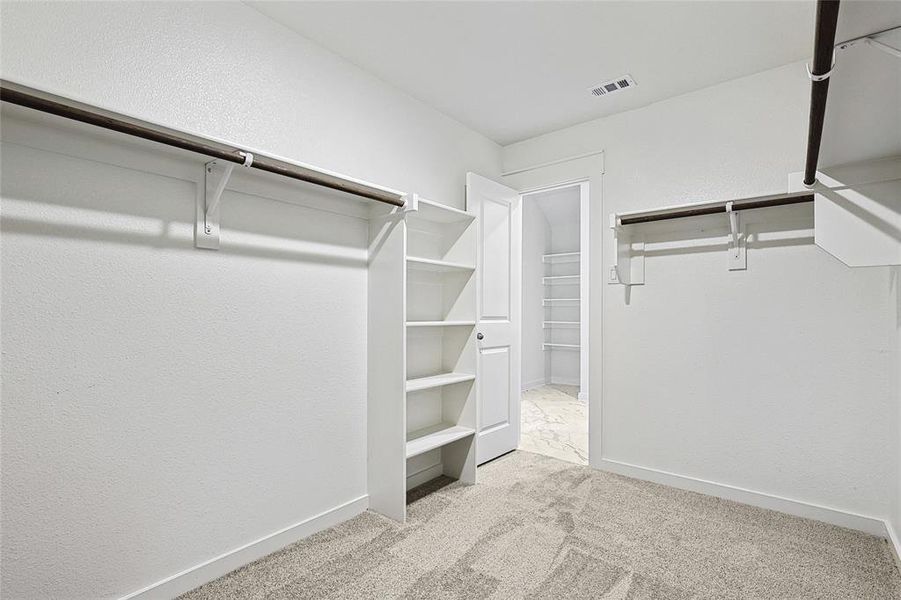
x=412 y=203
x=870 y=40
x=216 y=174
x=628 y=255
x=738 y=258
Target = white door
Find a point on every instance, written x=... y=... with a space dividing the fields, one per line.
x=497 y=325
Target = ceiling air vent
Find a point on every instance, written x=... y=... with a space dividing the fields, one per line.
x=614 y=85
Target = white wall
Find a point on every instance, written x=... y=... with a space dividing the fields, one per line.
x=164 y=405
x=534 y=244
x=777 y=379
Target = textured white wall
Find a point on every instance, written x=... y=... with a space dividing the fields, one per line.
x=534 y=244
x=777 y=379
x=164 y=405
x=224 y=69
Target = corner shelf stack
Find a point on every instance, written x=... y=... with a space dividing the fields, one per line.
x=561 y=301
x=422 y=316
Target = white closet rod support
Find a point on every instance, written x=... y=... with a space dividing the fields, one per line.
x=870 y=40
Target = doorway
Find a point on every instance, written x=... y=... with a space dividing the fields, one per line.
x=554 y=331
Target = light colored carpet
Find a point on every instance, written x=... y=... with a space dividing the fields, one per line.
x=555 y=423
x=536 y=527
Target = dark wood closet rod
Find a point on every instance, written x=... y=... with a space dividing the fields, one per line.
x=714 y=209
x=70 y=109
x=823 y=57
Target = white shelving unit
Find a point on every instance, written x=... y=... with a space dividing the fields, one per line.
x=422 y=350
x=561 y=302
x=433 y=381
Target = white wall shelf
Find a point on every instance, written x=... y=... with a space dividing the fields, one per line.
x=433 y=381
x=562 y=279
x=434 y=437
x=438 y=213
x=553 y=301
x=438 y=266
x=561 y=257
x=549 y=324
x=552 y=346
x=440 y=323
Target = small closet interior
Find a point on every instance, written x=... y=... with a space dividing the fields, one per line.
x=552 y=288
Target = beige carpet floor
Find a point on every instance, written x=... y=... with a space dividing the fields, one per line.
x=537 y=527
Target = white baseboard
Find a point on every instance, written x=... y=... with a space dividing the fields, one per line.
x=424 y=475
x=531 y=385
x=217 y=567
x=833 y=516
x=894 y=543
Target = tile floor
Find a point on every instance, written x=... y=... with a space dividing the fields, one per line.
x=555 y=423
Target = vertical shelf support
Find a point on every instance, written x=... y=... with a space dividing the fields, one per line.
x=216 y=174
x=628 y=255
x=738 y=258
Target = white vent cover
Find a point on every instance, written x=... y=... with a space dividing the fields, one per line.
x=614 y=85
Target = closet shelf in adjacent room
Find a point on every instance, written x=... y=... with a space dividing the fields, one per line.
x=562 y=279
x=433 y=381
x=552 y=301
x=440 y=266
x=436 y=436
x=548 y=324
x=550 y=346
x=440 y=323
x=561 y=257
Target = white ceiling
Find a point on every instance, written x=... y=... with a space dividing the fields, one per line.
x=513 y=70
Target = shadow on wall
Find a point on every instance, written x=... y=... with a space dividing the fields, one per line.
x=64 y=180
x=858 y=212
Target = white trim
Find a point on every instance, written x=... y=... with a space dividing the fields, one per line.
x=564 y=381
x=551 y=163
x=870 y=525
x=584 y=286
x=552 y=188
x=214 y=568
x=531 y=385
x=425 y=475
x=894 y=544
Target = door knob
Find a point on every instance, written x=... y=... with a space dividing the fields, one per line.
x=480 y=336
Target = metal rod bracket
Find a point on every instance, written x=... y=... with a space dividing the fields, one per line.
x=738 y=258
x=216 y=174
x=821 y=76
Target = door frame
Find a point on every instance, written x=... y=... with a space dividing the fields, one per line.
x=585 y=167
x=584 y=186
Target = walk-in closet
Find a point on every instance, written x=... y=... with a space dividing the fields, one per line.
x=554 y=325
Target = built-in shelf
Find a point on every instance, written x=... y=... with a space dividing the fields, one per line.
x=567 y=279
x=548 y=324
x=433 y=381
x=548 y=346
x=439 y=213
x=440 y=323
x=436 y=436
x=550 y=301
x=441 y=266
x=561 y=257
